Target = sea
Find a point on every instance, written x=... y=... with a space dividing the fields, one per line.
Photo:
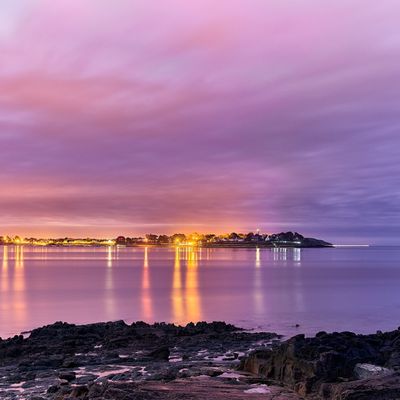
x=288 y=291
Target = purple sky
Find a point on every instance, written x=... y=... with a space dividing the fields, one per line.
x=131 y=116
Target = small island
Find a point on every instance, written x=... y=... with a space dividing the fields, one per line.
x=233 y=239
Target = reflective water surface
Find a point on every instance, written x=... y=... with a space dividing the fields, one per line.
x=274 y=289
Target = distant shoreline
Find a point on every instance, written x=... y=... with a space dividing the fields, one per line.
x=200 y=246
x=231 y=240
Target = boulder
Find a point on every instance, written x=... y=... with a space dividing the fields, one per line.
x=365 y=371
x=162 y=353
x=385 y=387
x=67 y=375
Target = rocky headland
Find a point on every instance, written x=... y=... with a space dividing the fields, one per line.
x=199 y=361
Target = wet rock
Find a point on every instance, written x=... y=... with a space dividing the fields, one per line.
x=69 y=363
x=379 y=388
x=162 y=353
x=110 y=390
x=78 y=392
x=257 y=362
x=85 y=379
x=41 y=365
x=307 y=364
x=365 y=371
x=67 y=375
x=53 y=389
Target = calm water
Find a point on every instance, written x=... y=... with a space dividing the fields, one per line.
x=320 y=289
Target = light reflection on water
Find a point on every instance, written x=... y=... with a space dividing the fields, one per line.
x=109 y=296
x=192 y=298
x=258 y=289
x=177 y=290
x=147 y=306
x=4 y=271
x=13 y=284
x=273 y=289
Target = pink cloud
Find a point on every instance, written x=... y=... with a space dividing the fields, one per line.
x=234 y=113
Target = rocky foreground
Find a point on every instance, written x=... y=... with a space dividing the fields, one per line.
x=340 y=366
x=200 y=361
x=139 y=361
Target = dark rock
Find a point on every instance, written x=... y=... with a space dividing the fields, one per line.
x=30 y=376
x=379 y=388
x=44 y=359
x=366 y=371
x=306 y=364
x=161 y=353
x=53 y=389
x=110 y=390
x=69 y=363
x=67 y=375
x=80 y=392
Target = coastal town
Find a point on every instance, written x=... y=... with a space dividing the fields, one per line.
x=251 y=239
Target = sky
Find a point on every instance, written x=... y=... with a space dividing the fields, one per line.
x=137 y=116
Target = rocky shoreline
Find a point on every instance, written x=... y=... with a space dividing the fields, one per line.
x=139 y=361
x=337 y=366
x=199 y=361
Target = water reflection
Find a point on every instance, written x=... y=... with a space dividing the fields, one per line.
x=280 y=254
x=146 y=258
x=285 y=254
x=297 y=255
x=193 y=307
x=258 y=258
x=258 y=285
x=109 y=297
x=14 y=294
x=177 y=292
x=109 y=256
x=19 y=256
x=147 y=305
x=19 y=273
x=4 y=270
x=186 y=302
